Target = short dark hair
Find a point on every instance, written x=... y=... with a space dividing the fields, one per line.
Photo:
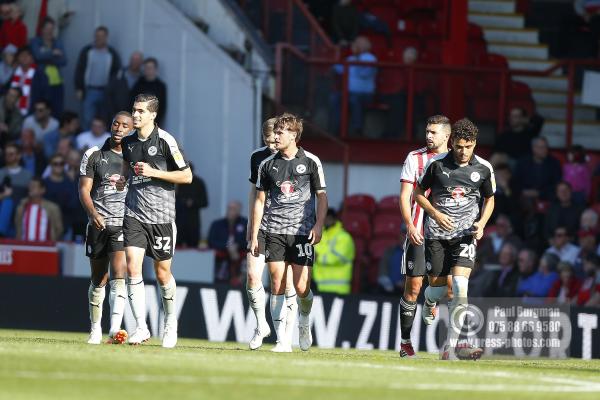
x=522 y=110
x=464 y=129
x=67 y=117
x=149 y=98
x=438 y=120
x=48 y=20
x=123 y=113
x=44 y=102
x=102 y=28
x=151 y=60
x=24 y=49
x=332 y=213
x=17 y=88
x=39 y=180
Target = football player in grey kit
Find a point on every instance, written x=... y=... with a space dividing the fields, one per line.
x=256 y=263
x=154 y=163
x=99 y=171
x=457 y=180
x=289 y=183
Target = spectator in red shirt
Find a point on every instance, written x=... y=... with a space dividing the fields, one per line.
x=564 y=290
x=13 y=30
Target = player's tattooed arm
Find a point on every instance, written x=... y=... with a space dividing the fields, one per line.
x=317 y=231
x=406 y=191
x=259 y=205
x=85 y=187
x=486 y=213
x=444 y=221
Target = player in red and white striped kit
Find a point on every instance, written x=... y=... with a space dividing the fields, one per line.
x=413 y=261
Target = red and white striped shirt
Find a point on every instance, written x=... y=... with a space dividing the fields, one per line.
x=36 y=224
x=24 y=80
x=412 y=170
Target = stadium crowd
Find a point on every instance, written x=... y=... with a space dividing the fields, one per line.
x=543 y=243
x=41 y=143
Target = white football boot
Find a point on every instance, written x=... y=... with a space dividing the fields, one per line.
x=305 y=335
x=140 y=335
x=170 y=335
x=95 y=336
x=259 y=335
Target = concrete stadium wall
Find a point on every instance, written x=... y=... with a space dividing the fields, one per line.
x=211 y=99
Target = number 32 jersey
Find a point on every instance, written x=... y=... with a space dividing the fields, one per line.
x=151 y=200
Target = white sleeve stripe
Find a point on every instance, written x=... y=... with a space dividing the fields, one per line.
x=172 y=143
x=489 y=166
x=319 y=167
x=258 y=150
x=85 y=159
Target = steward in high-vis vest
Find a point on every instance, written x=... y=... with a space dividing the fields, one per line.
x=332 y=270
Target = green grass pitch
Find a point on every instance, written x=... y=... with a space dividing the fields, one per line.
x=39 y=365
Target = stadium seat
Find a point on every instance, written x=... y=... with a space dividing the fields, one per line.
x=475 y=32
x=377 y=247
x=387 y=226
x=389 y=205
x=358 y=224
x=361 y=203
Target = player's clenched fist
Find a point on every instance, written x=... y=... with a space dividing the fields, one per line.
x=143 y=169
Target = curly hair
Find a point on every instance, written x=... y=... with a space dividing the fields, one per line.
x=291 y=122
x=464 y=129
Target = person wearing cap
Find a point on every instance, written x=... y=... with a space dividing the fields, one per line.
x=332 y=270
x=7 y=65
x=565 y=289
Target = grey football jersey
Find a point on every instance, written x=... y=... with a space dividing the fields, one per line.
x=290 y=187
x=151 y=200
x=104 y=167
x=456 y=191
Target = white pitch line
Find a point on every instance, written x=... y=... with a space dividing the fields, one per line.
x=308 y=383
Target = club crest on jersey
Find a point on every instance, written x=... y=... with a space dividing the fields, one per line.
x=152 y=150
x=475 y=177
x=301 y=168
x=458 y=192
x=287 y=187
x=288 y=190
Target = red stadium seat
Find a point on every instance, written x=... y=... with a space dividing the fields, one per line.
x=475 y=32
x=491 y=60
x=387 y=226
x=357 y=224
x=389 y=204
x=377 y=247
x=360 y=202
